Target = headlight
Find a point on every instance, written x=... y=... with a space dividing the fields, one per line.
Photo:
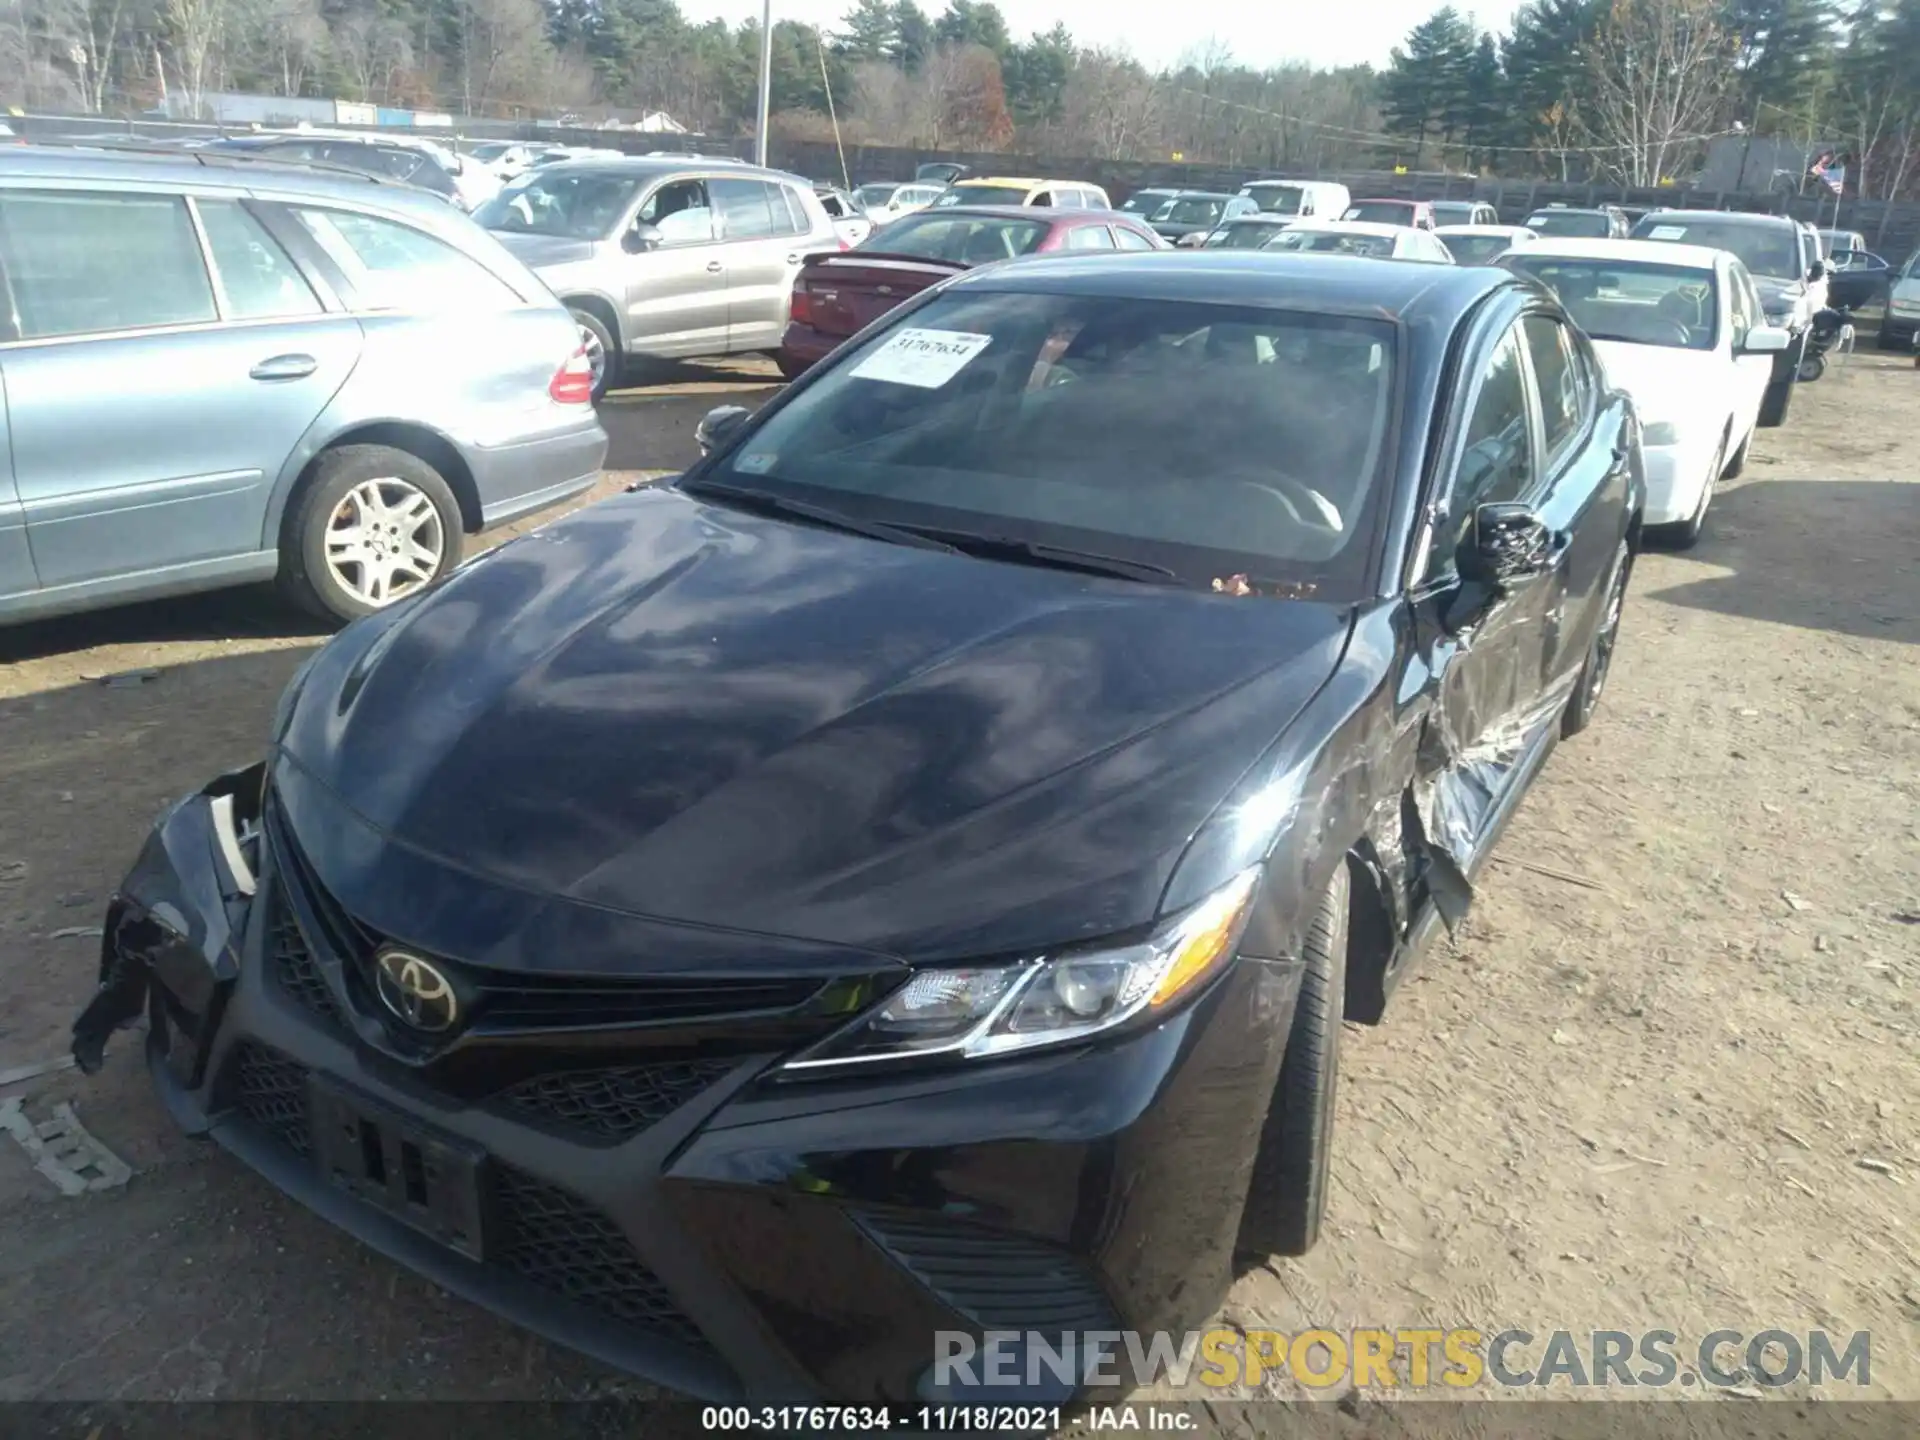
x=1905 y=306
x=965 y=1012
x=1661 y=432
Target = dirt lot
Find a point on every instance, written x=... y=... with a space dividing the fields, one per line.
x=1668 y=1076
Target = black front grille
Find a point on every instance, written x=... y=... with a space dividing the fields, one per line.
x=290 y=960
x=611 y=1104
x=1000 y=1282
x=559 y=1242
x=271 y=1091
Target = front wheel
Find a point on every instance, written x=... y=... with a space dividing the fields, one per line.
x=1288 y=1193
x=371 y=525
x=1593 y=674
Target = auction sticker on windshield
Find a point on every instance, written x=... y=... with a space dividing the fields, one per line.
x=1667 y=232
x=926 y=358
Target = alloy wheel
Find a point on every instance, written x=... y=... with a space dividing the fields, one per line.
x=384 y=540
x=596 y=354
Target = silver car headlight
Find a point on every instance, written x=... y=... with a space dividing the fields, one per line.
x=976 y=1011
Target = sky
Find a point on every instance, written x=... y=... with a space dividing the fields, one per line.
x=1259 y=32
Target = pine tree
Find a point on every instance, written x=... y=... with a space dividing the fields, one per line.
x=1424 y=91
x=912 y=36
x=870 y=32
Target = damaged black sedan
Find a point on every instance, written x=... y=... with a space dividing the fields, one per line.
x=906 y=876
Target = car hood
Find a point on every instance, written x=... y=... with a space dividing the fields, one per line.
x=1666 y=382
x=665 y=708
x=544 y=251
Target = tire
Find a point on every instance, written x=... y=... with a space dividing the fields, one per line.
x=337 y=582
x=1890 y=339
x=1288 y=1192
x=1592 y=683
x=790 y=368
x=1685 y=534
x=602 y=351
x=1737 y=466
x=1811 y=368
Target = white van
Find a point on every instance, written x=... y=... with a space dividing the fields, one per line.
x=1299 y=199
x=1901 y=325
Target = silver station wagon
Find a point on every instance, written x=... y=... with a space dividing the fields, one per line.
x=221 y=369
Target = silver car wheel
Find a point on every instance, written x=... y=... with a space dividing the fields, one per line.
x=596 y=354
x=384 y=540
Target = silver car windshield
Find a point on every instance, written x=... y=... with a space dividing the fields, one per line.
x=575 y=204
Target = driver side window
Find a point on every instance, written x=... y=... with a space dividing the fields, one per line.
x=680 y=211
x=1496 y=457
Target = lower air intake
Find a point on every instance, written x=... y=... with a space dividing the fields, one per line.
x=271 y=1091
x=607 y=1106
x=999 y=1282
x=553 y=1239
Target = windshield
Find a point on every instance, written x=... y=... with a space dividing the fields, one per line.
x=1641 y=304
x=1242 y=237
x=876 y=195
x=1453 y=212
x=1576 y=224
x=1475 y=249
x=1333 y=242
x=1276 y=199
x=964 y=239
x=578 y=205
x=1212 y=440
x=1190 y=210
x=983 y=195
x=1141 y=201
x=1770 y=250
x=491 y=150
x=1380 y=212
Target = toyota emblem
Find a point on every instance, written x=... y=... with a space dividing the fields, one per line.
x=416 y=990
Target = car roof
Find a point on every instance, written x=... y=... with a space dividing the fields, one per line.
x=1571 y=210
x=214 y=168
x=1385 y=200
x=647 y=166
x=1492 y=230
x=1023 y=212
x=1203 y=194
x=1688 y=257
x=1026 y=180
x=1350 y=227
x=1262 y=217
x=1272 y=279
x=1737 y=217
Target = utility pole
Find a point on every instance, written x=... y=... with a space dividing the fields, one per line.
x=766 y=81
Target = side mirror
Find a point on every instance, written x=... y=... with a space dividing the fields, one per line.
x=720 y=425
x=1766 y=340
x=1509 y=542
x=641 y=238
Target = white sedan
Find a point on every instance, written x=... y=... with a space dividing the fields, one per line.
x=1680 y=329
x=1362 y=237
x=1482 y=244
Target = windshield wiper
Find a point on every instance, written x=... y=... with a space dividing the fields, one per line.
x=821 y=515
x=1056 y=557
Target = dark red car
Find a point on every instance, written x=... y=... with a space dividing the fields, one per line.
x=1417 y=214
x=836 y=295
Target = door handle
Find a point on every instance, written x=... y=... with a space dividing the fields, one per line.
x=714 y=267
x=793 y=259
x=285 y=367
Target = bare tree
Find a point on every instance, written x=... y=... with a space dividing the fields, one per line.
x=288 y=40
x=1112 y=105
x=371 y=52
x=198 y=29
x=1660 y=71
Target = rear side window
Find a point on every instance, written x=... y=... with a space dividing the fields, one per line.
x=395 y=267
x=1131 y=239
x=744 y=212
x=790 y=211
x=1557 y=372
x=1089 y=237
x=260 y=281
x=83 y=263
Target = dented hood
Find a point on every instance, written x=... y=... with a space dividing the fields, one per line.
x=665 y=708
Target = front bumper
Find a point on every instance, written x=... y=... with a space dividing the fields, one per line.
x=1899 y=331
x=1675 y=477
x=803 y=347
x=754 y=1239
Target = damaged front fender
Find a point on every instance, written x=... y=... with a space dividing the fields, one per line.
x=171 y=942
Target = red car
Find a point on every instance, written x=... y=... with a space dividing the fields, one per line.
x=836 y=295
x=1417 y=214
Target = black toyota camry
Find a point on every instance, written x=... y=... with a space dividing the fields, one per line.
x=907 y=874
